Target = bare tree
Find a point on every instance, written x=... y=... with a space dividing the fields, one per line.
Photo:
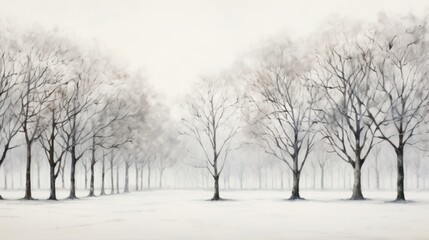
x=53 y=120
x=85 y=82
x=285 y=123
x=343 y=77
x=104 y=129
x=213 y=124
x=39 y=83
x=128 y=160
x=112 y=161
x=10 y=123
x=401 y=70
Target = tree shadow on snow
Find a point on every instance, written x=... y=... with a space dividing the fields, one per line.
x=221 y=200
x=401 y=202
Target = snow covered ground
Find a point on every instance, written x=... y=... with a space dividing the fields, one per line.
x=186 y=214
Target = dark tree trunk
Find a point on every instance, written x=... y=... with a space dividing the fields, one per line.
x=5 y=183
x=112 y=182
x=74 y=160
x=93 y=161
x=28 y=173
x=72 y=178
x=357 y=184
x=63 y=181
x=52 y=178
x=216 y=195
x=103 y=168
x=295 y=188
x=400 y=168
x=92 y=179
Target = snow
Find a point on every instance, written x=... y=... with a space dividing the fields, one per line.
x=186 y=214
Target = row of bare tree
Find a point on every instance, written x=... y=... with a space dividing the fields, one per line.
x=74 y=102
x=346 y=90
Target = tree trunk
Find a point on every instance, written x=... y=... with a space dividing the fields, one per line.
x=63 y=181
x=137 y=177
x=272 y=179
x=127 y=166
x=141 y=178
x=357 y=186
x=314 y=179
x=400 y=181
x=148 y=175
x=38 y=176
x=5 y=179
x=103 y=168
x=28 y=174
x=295 y=189
x=377 y=179
x=377 y=173
x=322 y=179
x=86 y=176
x=117 y=178
x=72 y=178
x=12 y=180
x=161 y=173
x=74 y=160
x=5 y=182
x=53 y=193
x=216 y=195
x=112 y=181
x=91 y=183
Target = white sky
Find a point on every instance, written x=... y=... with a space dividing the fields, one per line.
x=177 y=41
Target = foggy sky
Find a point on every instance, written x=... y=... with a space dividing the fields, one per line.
x=177 y=41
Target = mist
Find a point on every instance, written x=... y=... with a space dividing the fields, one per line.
x=214 y=119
